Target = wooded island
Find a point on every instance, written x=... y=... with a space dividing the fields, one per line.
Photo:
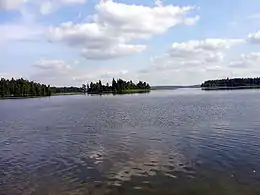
x=118 y=86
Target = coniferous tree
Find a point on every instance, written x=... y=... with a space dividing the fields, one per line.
x=114 y=85
x=22 y=88
x=118 y=86
x=84 y=88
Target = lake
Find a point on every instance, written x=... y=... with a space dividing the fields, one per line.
x=179 y=142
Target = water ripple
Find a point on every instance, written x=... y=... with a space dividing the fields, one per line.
x=162 y=143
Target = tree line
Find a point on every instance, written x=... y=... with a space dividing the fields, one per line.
x=22 y=88
x=117 y=86
x=25 y=88
x=58 y=90
x=236 y=82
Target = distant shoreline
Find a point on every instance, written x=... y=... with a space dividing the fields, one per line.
x=129 y=91
x=21 y=97
x=231 y=84
x=229 y=88
x=67 y=93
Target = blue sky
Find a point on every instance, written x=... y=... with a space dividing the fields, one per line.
x=68 y=42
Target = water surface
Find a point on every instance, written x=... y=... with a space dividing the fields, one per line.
x=177 y=142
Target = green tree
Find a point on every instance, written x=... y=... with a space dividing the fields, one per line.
x=114 y=84
x=84 y=88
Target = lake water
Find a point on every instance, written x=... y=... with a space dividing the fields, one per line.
x=180 y=142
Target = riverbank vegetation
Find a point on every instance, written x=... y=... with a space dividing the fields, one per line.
x=236 y=83
x=118 y=86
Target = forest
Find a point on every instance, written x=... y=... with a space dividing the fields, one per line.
x=118 y=86
x=24 y=88
x=68 y=90
x=236 y=83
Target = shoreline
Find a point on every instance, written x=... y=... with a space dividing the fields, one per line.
x=135 y=91
x=229 y=88
x=31 y=97
x=130 y=91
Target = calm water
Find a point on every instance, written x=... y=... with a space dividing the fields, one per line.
x=173 y=142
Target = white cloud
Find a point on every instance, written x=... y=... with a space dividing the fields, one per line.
x=55 y=72
x=112 y=52
x=251 y=60
x=205 y=45
x=48 y=6
x=195 y=53
x=114 y=31
x=20 y=32
x=10 y=4
x=22 y=28
x=45 y=6
x=142 y=21
x=191 y=62
x=62 y=73
x=88 y=34
x=158 y=3
x=73 y=1
x=254 y=38
x=52 y=65
x=115 y=25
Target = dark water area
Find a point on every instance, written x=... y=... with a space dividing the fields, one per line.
x=180 y=142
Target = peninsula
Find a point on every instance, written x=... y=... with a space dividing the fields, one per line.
x=231 y=84
x=21 y=88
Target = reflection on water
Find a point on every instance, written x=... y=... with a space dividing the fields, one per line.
x=172 y=142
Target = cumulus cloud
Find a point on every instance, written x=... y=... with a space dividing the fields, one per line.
x=142 y=21
x=191 y=62
x=113 y=52
x=90 y=35
x=115 y=25
x=195 y=53
x=254 y=38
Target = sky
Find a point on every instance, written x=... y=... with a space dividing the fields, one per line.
x=162 y=42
